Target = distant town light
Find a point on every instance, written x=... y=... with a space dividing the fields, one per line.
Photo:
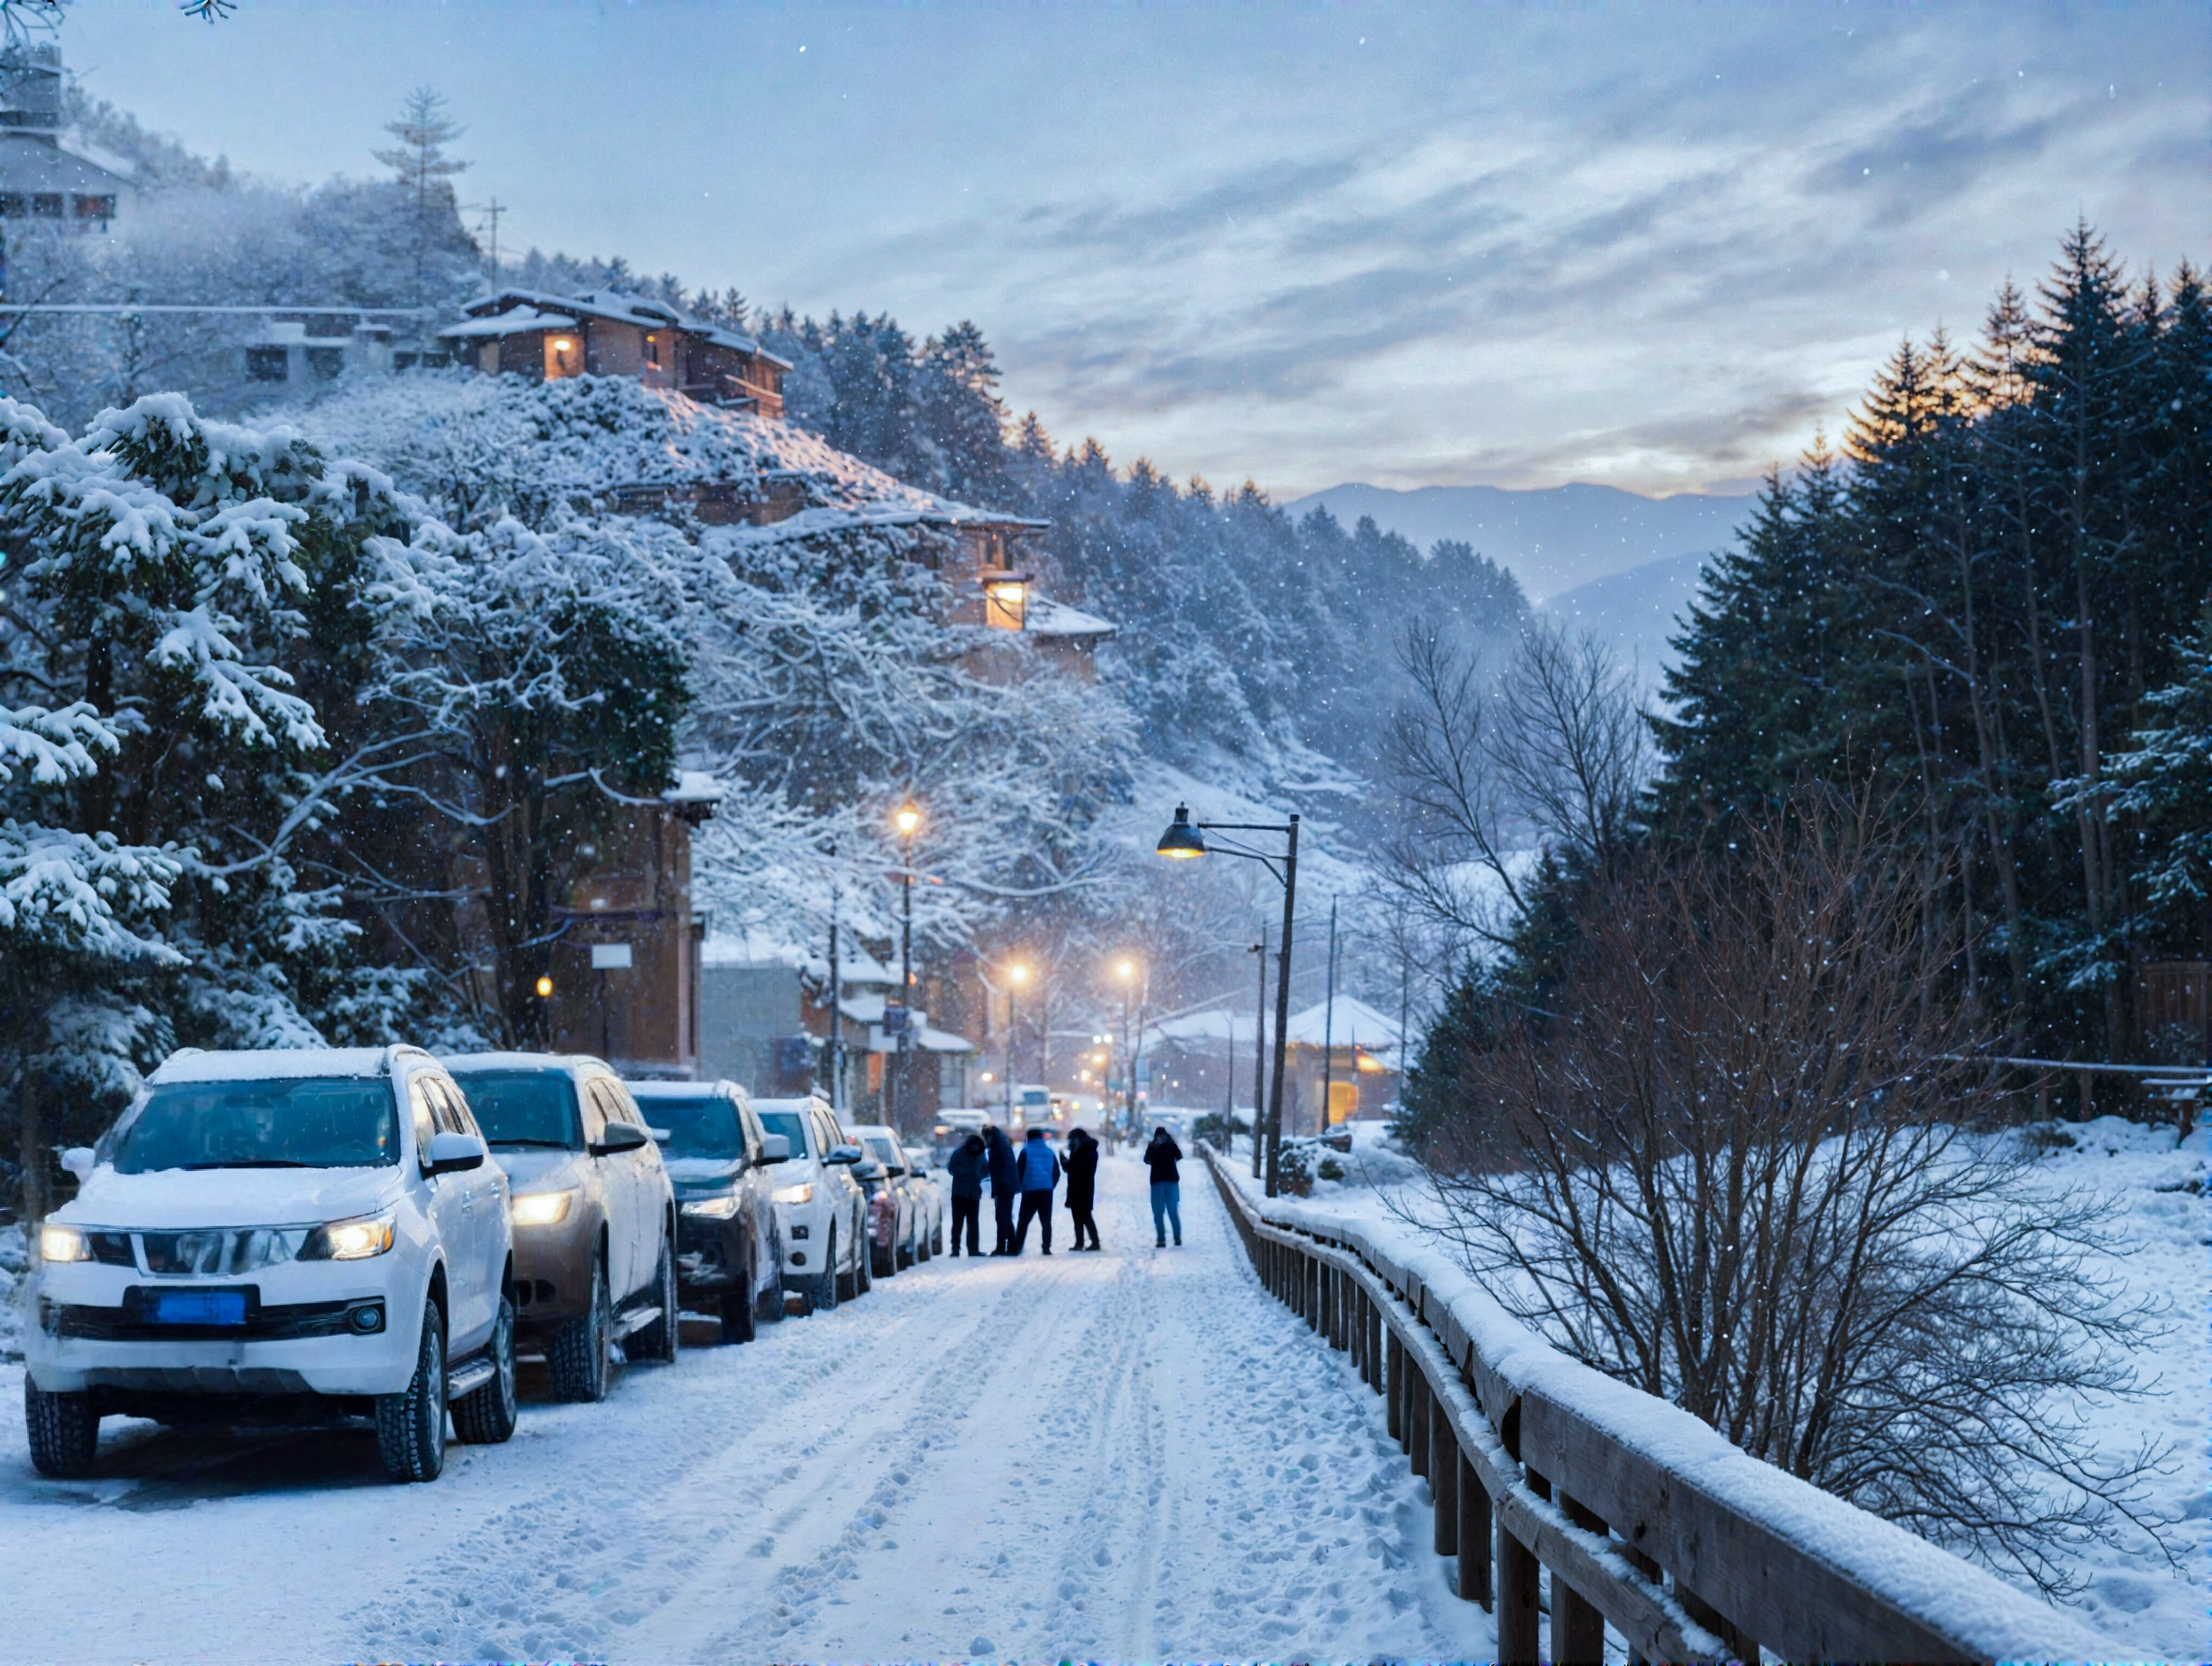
x=544 y=988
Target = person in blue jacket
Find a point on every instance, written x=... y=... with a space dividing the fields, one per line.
x=1005 y=1182
x=967 y=1166
x=1040 y=1170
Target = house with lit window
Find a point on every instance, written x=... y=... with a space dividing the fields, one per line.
x=607 y=332
x=45 y=177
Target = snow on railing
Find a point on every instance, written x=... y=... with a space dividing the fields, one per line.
x=1646 y=1518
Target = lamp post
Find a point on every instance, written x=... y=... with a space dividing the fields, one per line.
x=1258 y=1048
x=1016 y=977
x=907 y=820
x=1185 y=839
x=1126 y=971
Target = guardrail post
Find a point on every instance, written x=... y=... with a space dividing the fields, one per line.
x=1417 y=1419
x=1394 y=1387
x=1519 y=1593
x=1473 y=1534
x=1444 y=1466
x=1577 y=1627
x=1375 y=1345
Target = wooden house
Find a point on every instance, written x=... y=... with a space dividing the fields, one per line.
x=607 y=332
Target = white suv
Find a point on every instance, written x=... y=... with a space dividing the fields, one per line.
x=302 y=1234
x=820 y=1210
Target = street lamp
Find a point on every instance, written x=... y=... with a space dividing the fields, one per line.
x=907 y=821
x=1185 y=839
x=1125 y=969
x=1016 y=974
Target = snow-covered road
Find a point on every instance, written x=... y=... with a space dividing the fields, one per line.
x=1132 y=1455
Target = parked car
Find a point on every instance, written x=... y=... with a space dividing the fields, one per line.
x=295 y=1235
x=926 y=1172
x=897 y=1205
x=729 y=1255
x=594 y=1213
x=820 y=1210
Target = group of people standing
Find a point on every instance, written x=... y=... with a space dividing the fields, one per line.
x=1022 y=1179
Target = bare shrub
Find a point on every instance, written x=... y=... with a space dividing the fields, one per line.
x=1746 y=1163
x=1545 y=751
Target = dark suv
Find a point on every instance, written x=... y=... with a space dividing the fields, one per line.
x=729 y=1254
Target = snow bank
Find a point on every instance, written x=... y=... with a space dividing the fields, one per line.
x=1506 y=1361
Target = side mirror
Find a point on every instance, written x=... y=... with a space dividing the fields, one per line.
x=774 y=1148
x=618 y=1137
x=844 y=1155
x=77 y=1160
x=867 y=1169
x=451 y=1153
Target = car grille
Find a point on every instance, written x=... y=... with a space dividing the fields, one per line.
x=212 y=1252
x=283 y=1323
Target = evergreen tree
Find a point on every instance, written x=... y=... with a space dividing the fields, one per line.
x=423 y=170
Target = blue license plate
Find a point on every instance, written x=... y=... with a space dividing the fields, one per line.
x=195 y=1307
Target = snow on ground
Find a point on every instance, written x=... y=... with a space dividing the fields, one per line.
x=1132 y=1455
x=2165 y=1251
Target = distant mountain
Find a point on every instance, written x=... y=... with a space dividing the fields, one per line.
x=1554 y=539
x=1638 y=611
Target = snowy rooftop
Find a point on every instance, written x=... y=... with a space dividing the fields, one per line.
x=520 y=321
x=1354 y=1023
x=616 y=304
x=1046 y=617
x=766 y=947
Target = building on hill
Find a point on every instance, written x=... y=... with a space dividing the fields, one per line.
x=44 y=176
x=607 y=332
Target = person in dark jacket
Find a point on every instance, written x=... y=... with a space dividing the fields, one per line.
x=1039 y=1170
x=1161 y=1158
x=1082 y=1165
x=967 y=1167
x=998 y=1154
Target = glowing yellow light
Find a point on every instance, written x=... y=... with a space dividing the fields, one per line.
x=1018 y=973
x=1127 y=971
x=544 y=988
x=906 y=818
x=562 y=343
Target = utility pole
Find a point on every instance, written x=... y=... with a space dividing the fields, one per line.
x=491 y=210
x=907 y=820
x=1329 y=1021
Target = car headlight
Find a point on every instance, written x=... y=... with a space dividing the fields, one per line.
x=356 y=1239
x=543 y=1208
x=713 y=1208
x=804 y=1193
x=58 y=1242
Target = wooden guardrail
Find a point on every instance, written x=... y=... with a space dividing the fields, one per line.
x=1645 y=1519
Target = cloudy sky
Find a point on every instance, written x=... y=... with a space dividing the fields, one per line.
x=1653 y=245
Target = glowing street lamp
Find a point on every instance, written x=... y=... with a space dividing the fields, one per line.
x=1017 y=976
x=907 y=820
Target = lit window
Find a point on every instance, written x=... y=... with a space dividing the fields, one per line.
x=1004 y=605
x=560 y=358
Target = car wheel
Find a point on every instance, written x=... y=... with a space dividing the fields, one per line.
x=830 y=1285
x=741 y=1307
x=864 y=1261
x=486 y=1416
x=63 y=1430
x=411 y=1426
x=580 y=1360
x=769 y=1305
x=936 y=1242
x=659 y=1341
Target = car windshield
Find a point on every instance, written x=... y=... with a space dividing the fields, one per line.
x=299 y=1122
x=788 y=1123
x=698 y=1124
x=884 y=1151
x=523 y=1107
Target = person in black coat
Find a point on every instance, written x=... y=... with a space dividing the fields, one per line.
x=1005 y=1184
x=967 y=1168
x=1161 y=1158
x=1082 y=1165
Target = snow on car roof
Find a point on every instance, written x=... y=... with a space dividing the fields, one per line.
x=275 y=1064
x=667 y=1089
x=570 y=1062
